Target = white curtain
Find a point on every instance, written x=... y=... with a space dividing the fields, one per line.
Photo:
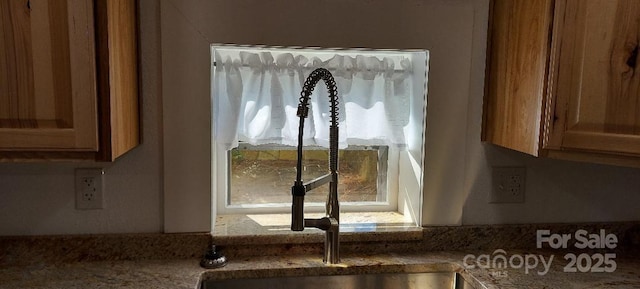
x=256 y=95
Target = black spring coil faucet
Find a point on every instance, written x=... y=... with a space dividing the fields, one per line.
x=330 y=223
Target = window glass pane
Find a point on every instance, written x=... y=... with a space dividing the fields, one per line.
x=266 y=176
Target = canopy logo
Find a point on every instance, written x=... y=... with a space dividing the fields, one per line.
x=499 y=262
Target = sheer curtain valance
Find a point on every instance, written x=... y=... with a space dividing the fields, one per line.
x=256 y=92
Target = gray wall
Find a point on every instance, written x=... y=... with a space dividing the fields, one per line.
x=164 y=184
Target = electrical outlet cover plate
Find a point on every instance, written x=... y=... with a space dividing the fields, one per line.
x=508 y=184
x=89 y=189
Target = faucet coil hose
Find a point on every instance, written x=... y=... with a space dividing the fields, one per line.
x=303 y=108
x=310 y=84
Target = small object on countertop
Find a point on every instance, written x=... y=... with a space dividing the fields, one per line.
x=213 y=259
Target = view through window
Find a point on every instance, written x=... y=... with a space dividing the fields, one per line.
x=261 y=175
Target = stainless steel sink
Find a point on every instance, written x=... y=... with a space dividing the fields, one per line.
x=433 y=280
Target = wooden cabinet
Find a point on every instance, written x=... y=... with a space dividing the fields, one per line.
x=562 y=81
x=68 y=79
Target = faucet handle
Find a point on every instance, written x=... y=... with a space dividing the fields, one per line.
x=297 y=207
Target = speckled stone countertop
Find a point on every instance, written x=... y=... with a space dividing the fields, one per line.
x=104 y=274
x=627 y=274
x=171 y=260
x=187 y=273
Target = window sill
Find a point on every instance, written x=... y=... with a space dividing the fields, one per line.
x=275 y=229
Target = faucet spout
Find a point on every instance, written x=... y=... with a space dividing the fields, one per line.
x=331 y=222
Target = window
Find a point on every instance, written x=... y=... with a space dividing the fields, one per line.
x=255 y=93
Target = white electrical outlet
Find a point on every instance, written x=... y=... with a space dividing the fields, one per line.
x=89 y=189
x=508 y=185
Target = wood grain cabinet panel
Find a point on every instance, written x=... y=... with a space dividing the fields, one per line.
x=579 y=98
x=517 y=57
x=597 y=84
x=68 y=79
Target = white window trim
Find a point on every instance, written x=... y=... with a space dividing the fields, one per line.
x=407 y=186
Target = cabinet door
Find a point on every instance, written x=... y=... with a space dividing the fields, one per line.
x=517 y=59
x=47 y=75
x=597 y=80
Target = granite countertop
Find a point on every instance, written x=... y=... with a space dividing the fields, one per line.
x=172 y=260
x=186 y=273
x=104 y=274
x=627 y=274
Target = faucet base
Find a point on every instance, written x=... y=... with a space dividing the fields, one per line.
x=332 y=243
